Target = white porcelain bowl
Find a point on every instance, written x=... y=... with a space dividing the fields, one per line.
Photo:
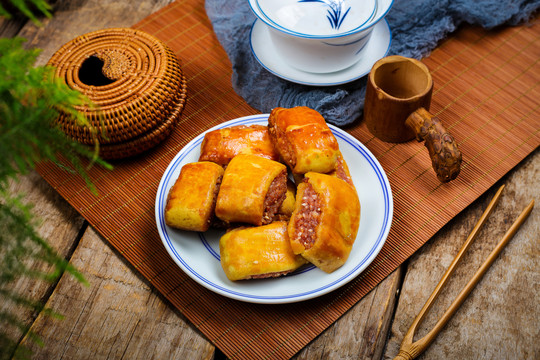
x=320 y=36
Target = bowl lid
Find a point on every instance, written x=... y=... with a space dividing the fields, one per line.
x=318 y=17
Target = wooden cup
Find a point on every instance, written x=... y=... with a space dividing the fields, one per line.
x=398 y=96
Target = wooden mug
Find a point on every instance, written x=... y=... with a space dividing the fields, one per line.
x=398 y=96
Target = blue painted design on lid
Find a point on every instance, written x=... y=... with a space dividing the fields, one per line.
x=335 y=13
x=378 y=12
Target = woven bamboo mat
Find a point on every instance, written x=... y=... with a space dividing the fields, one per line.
x=486 y=92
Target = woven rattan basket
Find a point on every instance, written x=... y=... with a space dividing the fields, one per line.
x=135 y=82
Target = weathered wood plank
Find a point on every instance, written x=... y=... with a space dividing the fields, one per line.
x=144 y=325
x=499 y=320
x=121 y=316
x=361 y=332
x=117 y=316
x=60 y=225
x=10 y=28
x=72 y=18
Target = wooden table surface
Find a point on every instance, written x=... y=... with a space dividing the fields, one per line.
x=121 y=316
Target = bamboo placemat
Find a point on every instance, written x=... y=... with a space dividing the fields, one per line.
x=486 y=93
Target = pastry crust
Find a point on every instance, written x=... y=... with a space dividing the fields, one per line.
x=252 y=190
x=287 y=207
x=192 y=198
x=325 y=221
x=220 y=146
x=303 y=139
x=258 y=252
x=342 y=171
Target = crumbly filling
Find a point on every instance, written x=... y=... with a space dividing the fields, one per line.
x=269 y=275
x=341 y=173
x=282 y=144
x=214 y=220
x=274 y=197
x=307 y=218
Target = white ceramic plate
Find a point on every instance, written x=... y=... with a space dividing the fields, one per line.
x=197 y=254
x=263 y=50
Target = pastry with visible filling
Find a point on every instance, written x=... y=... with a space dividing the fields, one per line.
x=192 y=198
x=287 y=207
x=258 y=252
x=342 y=171
x=221 y=145
x=252 y=190
x=325 y=221
x=303 y=139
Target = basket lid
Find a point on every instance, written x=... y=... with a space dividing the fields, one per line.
x=134 y=80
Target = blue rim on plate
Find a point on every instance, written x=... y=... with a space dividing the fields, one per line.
x=197 y=255
x=277 y=66
x=373 y=21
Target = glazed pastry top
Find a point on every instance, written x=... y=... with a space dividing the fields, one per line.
x=221 y=145
x=245 y=184
x=303 y=139
x=258 y=252
x=191 y=200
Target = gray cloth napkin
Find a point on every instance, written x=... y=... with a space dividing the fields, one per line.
x=417 y=26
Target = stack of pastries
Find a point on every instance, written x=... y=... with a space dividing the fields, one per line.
x=283 y=192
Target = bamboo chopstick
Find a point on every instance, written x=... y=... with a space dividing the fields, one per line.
x=410 y=350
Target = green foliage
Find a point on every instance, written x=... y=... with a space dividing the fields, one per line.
x=30 y=100
x=20 y=243
x=25 y=7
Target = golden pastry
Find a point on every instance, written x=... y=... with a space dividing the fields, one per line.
x=324 y=224
x=342 y=171
x=192 y=198
x=258 y=252
x=252 y=190
x=221 y=145
x=303 y=139
x=287 y=207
